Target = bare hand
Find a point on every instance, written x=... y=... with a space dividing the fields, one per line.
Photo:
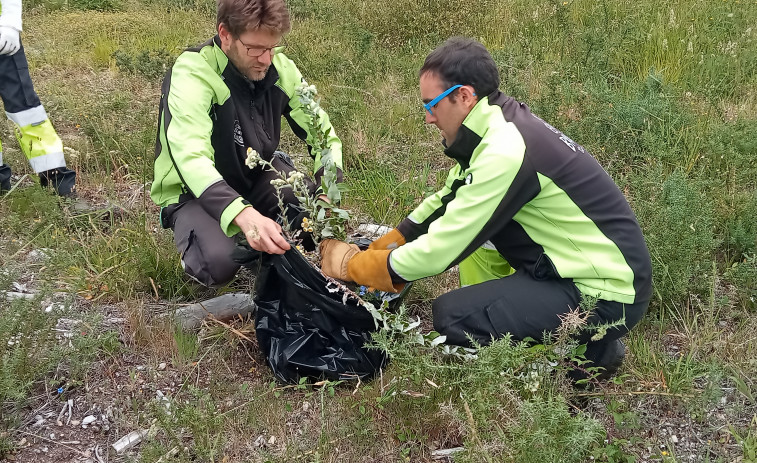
x=262 y=233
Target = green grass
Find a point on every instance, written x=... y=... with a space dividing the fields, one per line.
x=662 y=93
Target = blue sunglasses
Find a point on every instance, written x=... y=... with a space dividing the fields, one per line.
x=439 y=98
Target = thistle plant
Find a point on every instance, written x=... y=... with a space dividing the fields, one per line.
x=326 y=219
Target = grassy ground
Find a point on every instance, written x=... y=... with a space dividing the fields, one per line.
x=663 y=93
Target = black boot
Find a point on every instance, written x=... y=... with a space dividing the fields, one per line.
x=608 y=355
x=61 y=179
x=5 y=178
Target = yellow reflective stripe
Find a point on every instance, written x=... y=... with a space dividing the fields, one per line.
x=41 y=145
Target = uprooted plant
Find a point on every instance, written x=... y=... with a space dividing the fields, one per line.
x=323 y=217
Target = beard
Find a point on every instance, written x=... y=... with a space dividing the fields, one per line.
x=246 y=65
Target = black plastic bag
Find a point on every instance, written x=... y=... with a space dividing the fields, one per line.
x=307 y=327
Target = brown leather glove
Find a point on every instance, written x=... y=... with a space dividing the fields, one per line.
x=335 y=255
x=371 y=268
x=391 y=240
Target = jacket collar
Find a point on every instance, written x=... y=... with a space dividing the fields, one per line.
x=471 y=131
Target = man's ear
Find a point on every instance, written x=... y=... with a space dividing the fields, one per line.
x=224 y=34
x=468 y=95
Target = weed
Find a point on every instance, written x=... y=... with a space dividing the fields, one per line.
x=679 y=230
x=187 y=346
x=29 y=351
x=99 y=5
x=152 y=64
x=743 y=275
x=747 y=439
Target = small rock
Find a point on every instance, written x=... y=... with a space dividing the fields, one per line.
x=88 y=419
x=36 y=255
x=305 y=406
x=272 y=440
x=21 y=288
x=162 y=366
x=674 y=439
x=129 y=441
x=75 y=422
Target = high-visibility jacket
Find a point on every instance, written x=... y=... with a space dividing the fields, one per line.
x=209 y=115
x=524 y=188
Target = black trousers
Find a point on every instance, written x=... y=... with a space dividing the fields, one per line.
x=205 y=249
x=16 y=88
x=524 y=307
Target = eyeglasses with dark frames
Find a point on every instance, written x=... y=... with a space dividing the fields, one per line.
x=254 y=51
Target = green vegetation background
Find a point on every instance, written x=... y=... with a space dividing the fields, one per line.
x=664 y=94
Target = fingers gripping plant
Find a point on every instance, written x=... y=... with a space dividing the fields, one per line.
x=326 y=219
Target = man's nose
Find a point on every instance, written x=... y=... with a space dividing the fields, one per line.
x=430 y=118
x=266 y=58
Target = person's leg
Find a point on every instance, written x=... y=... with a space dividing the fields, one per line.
x=205 y=250
x=5 y=173
x=525 y=307
x=484 y=264
x=35 y=133
x=608 y=351
x=516 y=304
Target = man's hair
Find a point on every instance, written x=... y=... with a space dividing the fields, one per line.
x=241 y=15
x=464 y=61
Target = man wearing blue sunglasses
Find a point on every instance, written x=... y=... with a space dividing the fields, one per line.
x=529 y=216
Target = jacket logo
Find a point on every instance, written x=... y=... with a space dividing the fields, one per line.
x=469 y=179
x=238 y=139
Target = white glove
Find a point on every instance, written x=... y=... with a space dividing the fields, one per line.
x=10 y=26
x=9 y=40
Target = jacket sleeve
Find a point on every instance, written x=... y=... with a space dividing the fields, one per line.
x=456 y=217
x=185 y=131
x=290 y=79
x=11 y=14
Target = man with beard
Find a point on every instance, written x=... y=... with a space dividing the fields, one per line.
x=218 y=101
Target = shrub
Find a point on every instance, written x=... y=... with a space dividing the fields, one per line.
x=677 y=220
x=743 y=275
x=152 y=64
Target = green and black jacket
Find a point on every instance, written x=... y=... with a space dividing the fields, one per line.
x=538 y=197
x=209 y=115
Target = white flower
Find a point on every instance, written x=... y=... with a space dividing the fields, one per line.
x=253 y=158
x=295 y=177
